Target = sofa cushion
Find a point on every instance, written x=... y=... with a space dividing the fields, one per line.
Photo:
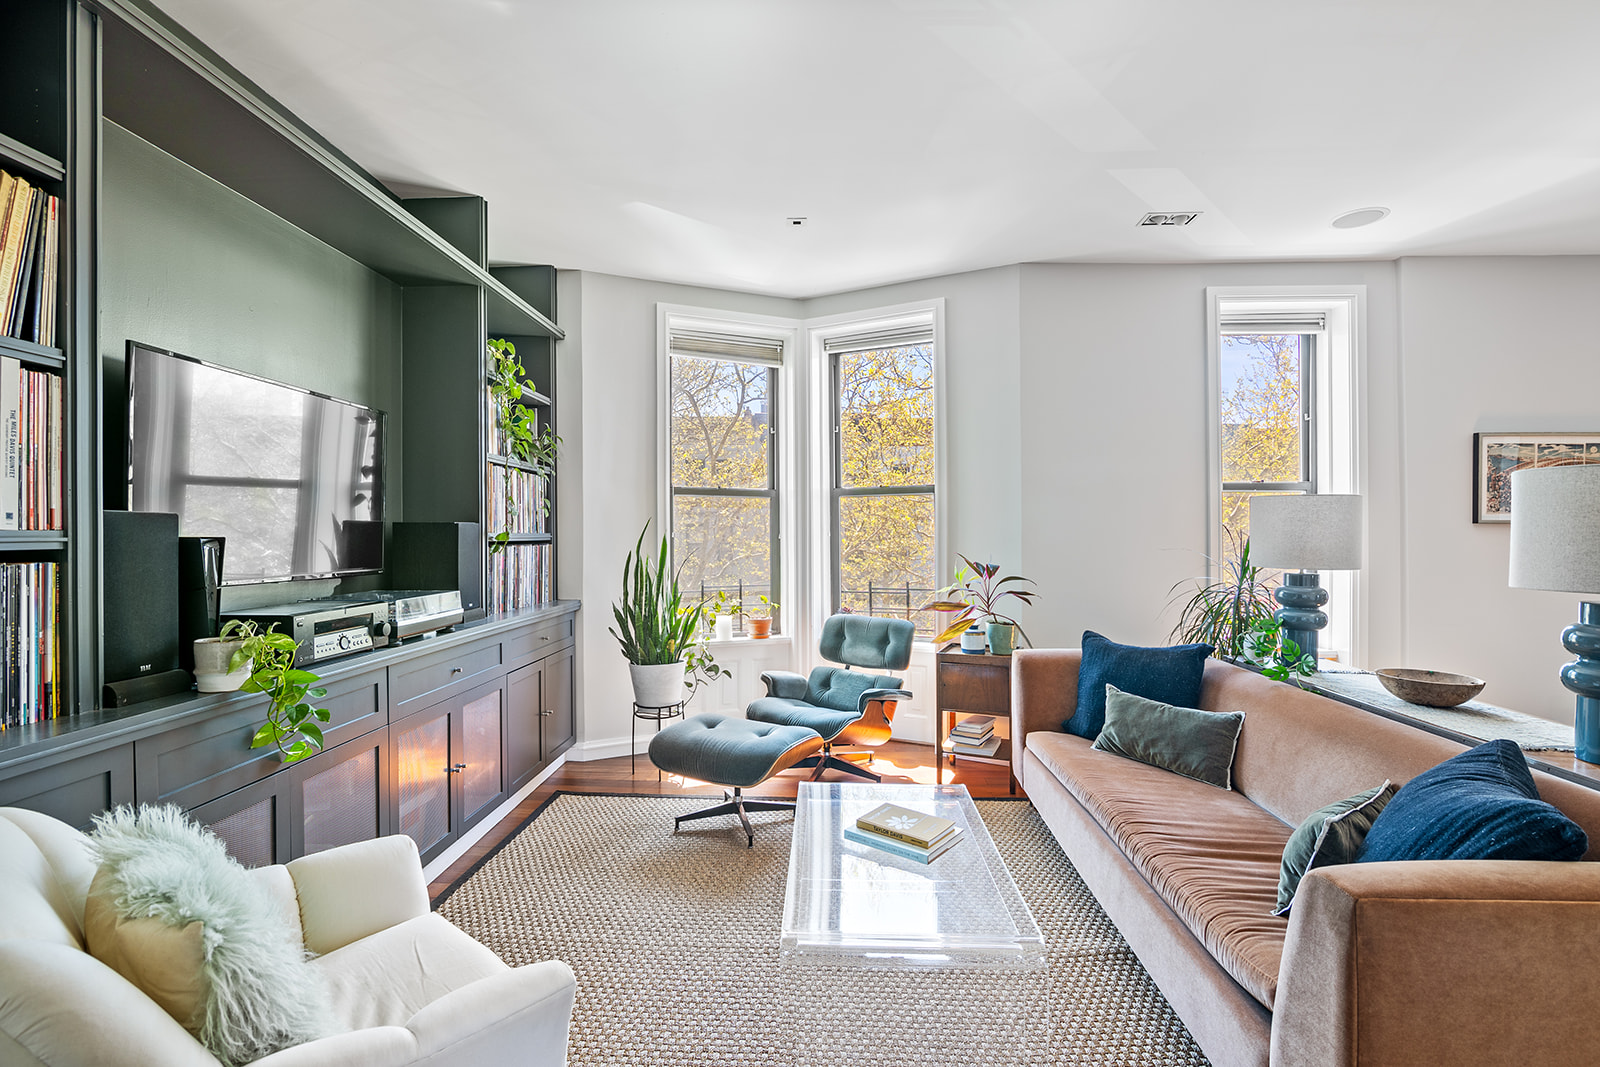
x=178 y=917
x=1482 y=804
x=385 y=979
x=1330 y=835
x=1170 y=675
x=1210 y=854
x=1195 y=744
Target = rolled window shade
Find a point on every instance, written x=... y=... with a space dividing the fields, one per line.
x=763 y=350
x=1273 y=321
x=896 y=338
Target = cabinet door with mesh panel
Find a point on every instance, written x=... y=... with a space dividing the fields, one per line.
x=340 y=796
x=482 y=766
x=424 y=801
x=253 y=822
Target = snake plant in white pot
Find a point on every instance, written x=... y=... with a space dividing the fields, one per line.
x=656 y=632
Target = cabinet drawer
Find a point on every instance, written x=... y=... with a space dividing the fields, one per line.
x=191 y=765
x=74 y=790
x=975 y=687
x=417 y=684
x=538 y=641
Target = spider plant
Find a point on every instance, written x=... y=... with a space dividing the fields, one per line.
x=1223 y=612
x=974 y=595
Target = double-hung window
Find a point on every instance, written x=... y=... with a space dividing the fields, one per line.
x=1267 y=409
x=723 y=463
x=883 y=485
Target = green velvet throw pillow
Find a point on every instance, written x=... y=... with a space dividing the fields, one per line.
x=1196 y=744
x=1329 y=835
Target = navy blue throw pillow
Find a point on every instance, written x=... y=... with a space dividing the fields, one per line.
x=1480 y=805
x=1168 y=675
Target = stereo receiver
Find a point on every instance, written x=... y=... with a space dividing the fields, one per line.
x=324 y=629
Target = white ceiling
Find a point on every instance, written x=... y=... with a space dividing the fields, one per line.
x=670 y=139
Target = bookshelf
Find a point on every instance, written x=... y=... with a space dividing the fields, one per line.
x=79 y=75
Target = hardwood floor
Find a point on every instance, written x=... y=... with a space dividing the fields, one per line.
x=897 y=761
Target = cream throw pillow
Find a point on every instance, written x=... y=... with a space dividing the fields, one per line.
x=178 y=917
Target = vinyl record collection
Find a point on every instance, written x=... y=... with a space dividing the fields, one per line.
x=30 y=224
x=30 y=642
x=516 y=500
x=520 y=577
x=30 y=448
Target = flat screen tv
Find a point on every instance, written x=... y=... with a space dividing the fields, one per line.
x=293 y=480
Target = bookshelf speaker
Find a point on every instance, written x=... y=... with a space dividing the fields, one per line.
x=440 y=555
x=140 y=586
x=199 y=593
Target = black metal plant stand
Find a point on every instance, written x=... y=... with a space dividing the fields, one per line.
x=653 y=713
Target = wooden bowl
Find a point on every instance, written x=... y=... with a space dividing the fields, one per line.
x=1436 y=689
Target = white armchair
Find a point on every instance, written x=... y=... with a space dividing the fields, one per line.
x=407 y=987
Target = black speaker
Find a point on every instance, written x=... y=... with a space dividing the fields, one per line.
x=140 y=594
x=440 y=555
x=199 y=593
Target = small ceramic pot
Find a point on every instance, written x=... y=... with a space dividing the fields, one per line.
x=1002 y=636
x=722 y=629
x=761 y=627
x=211 y=658
x=973 y=640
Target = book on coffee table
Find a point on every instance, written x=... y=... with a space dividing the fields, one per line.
x=913 y=827
x=900 y=848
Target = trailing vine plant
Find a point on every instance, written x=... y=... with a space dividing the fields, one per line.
x=292 y=722
x=518 y=424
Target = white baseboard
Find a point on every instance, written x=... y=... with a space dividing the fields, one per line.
x=605 y=748
x=443 y=861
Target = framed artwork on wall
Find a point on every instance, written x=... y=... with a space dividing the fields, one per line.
x=1496 y=455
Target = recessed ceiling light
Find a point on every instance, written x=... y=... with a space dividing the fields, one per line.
x=1365 y=216
x=1169 y=218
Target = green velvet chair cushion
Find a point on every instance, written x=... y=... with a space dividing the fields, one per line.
x=865 y=641
x=729 y=751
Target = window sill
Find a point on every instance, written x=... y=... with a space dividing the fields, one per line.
x=741 y=642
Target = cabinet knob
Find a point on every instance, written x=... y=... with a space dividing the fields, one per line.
x=461 y=766
x=452 y=770
x=455 y=670
x=547 y=711
x=544 y=637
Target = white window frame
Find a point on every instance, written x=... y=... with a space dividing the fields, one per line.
x=1340 y=452
x=819 y=445
x=675 y=317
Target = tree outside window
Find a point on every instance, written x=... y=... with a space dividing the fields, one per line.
x=883 y=494
x=1267 y=424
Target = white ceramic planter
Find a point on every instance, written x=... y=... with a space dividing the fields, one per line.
x=723 y=630
x=658 y=685
x=211 y=657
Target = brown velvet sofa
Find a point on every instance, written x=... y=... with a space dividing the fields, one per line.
x=1443 y=962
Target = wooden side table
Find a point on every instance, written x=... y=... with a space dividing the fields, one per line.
x=969 y=683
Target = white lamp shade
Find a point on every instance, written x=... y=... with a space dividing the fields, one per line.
x=1555 y=529
x=1317 y=532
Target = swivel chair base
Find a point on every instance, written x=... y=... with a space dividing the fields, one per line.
x=735 y=804
x=826 y=759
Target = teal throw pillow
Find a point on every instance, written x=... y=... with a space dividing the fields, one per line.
x=1329 y=835
x=1196 y=744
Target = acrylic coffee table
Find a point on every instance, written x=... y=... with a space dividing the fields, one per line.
x=848 y=902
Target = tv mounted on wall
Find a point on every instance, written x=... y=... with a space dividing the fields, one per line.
x=293 y=480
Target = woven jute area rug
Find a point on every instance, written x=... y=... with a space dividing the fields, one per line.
x=674 y=939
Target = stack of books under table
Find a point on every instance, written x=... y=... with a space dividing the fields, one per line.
x=974 y=736
x=914 y=835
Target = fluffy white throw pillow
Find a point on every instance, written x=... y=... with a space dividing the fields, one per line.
x=177 y=916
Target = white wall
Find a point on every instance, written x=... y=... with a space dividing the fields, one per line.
x=1114 y=425
x=1490 y=344
x=1076 y=426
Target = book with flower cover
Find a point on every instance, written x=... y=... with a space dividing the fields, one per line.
x=914 y=827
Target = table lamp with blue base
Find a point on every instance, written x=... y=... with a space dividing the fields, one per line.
x=1555 y=544
x=1311 y=532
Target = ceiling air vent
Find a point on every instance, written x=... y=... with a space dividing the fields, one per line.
x=1169 y=218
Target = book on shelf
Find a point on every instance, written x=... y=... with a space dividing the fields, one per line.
x=29 y=234
x=31 y=443
x=896 y=847
x=973 y=734
x=30 y=643
x=986 y=748
x=903 y=824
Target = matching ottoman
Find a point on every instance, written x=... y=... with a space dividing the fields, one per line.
x=735 y=753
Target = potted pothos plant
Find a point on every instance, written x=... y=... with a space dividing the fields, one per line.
x=221 y=663
x=975 y=596
x=292 y=724
x=662 y=638
x=520 y=438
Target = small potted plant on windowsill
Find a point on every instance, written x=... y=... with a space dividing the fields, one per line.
x=760 y=617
